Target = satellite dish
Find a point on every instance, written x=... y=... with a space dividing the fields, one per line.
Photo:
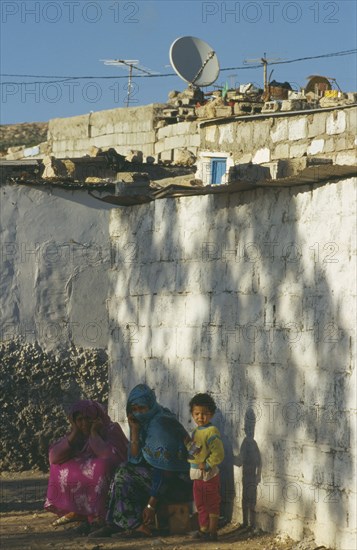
x=194 y=61
x=318 y=84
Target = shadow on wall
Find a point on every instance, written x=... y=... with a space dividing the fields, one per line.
x=238 y=295
x=250 y=460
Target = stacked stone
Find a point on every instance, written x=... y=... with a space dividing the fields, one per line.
x=182 y=104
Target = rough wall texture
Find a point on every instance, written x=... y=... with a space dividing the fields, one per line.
x=331 y=133
x=123 y=129
x=55 y=259
x=37 y=389
x=250 y=296
x=171 y=138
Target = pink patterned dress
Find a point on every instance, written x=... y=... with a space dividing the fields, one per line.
x=80 y=475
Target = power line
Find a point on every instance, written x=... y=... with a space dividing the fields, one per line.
x=63 y=78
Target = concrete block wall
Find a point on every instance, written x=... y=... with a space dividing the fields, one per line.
x=252 y=297
x=124 y=129
x=329 y=133
x=182 y=135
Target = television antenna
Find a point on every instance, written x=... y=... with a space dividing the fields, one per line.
x=264 y=61
x=194 y=61
x=131 y=65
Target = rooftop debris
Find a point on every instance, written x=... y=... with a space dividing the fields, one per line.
x=140 y=186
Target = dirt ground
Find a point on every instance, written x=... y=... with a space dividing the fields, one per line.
x=25 y=525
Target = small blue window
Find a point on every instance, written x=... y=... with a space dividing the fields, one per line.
x=218 y=169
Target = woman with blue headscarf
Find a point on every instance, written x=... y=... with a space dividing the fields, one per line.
x=157 y=465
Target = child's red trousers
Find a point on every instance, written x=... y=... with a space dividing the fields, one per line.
x=207 y=498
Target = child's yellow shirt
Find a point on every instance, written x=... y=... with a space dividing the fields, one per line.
x=208 y=440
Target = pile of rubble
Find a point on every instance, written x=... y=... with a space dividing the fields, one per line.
x=182 y=105
x=248 y=99
x=37 y=389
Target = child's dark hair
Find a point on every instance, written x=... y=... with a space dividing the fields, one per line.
x=203 y=400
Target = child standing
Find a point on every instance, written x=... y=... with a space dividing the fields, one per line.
x=206 y=452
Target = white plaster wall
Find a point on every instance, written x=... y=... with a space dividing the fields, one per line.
x=250 y=296
x=55 y=260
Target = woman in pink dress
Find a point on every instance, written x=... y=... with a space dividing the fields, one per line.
x=82 y=463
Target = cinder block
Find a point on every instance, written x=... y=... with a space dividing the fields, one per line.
x=317 y=466
x=316 y=124
x=79 y=144
x=280 y=151
x=175 y=142
x=336 y=122
x=72 y=128
x=197 y=309
x=58 y=147
x=261 y=156
x=193 y=140
x=188 y=342
x=346 y=157
x=297 y=129
x=226 y=133
x=188 y=277
x=163 y=345
x=261 y=133
x=105 y=141
x=165 y=131
x=316 y=146
x=341 y=143
x=102 y=129
x=210 y=133
x=162 y=310
x=159 y=147
x=352 y=120
x=297 y=150
x=279 y=131
x=179 y=518
x=181 y=128
x=244 y=134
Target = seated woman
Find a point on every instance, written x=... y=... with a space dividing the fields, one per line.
x=157 y=465
x=82 y=463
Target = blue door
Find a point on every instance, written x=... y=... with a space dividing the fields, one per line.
x=218 y=169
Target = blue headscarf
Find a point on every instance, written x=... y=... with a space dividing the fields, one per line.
x=161 y=434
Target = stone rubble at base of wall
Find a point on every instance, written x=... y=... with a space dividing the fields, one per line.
x=38 y=389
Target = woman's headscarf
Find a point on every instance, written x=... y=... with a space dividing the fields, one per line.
x=161 y=434
x=91 y=409
x=112 y=433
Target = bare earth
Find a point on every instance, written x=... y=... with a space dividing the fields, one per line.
x=25 y=526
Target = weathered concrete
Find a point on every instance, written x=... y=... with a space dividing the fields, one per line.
x=294 y=135
x=55 y=259
x=123 y=129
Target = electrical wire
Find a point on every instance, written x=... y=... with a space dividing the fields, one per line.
x=63 y=78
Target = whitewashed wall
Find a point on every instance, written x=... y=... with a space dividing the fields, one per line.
x=55 y=260
x=250 y=296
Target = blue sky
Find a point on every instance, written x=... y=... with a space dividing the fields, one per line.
x=69 y=38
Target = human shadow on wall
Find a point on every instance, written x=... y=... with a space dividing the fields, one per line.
x=249 y=459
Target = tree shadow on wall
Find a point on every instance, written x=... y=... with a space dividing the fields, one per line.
x=229 y=293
